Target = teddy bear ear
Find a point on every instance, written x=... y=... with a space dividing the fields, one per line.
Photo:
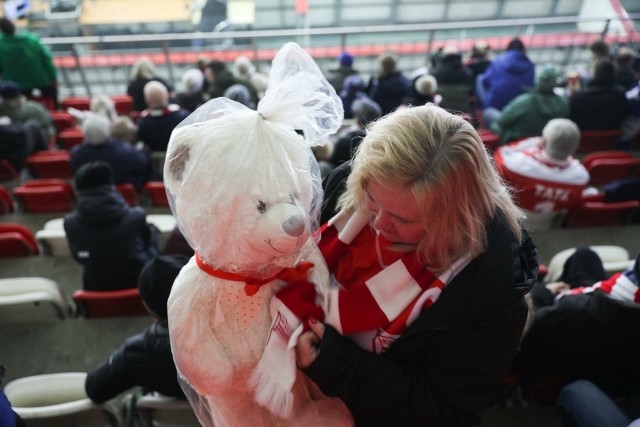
x=300 y=96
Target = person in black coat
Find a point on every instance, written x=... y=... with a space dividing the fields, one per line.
x=455 y=81
x=112 y=240
x=142 y=72
x=391 y=87
x=602 y=104
x=145 y=359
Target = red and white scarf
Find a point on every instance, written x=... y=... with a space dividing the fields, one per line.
x=618 y=287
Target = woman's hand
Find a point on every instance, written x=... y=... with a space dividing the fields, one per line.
x=308 y=344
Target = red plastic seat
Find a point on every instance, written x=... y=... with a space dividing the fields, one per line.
x=70 y=137
x=603 y=171
x=46 y=101
x=598 y=140
x=96 y=304
x=490 y=139
x=6 y=204
x=78 y=102
x=16 y=240
x=45 y=195
x=7 y=171
x=599 y=214
x=156 y=193
x=62 y=120
x=129 y=193
x=50 y=164
x=123 y=104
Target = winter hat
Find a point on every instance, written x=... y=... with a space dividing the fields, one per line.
x=426 y=85
x=156 y=279
x=239 y=93
x=346 y=59
x=366 y=110
x=547 y=78
x=353 y=84
x=94 y=174
x=10 y=90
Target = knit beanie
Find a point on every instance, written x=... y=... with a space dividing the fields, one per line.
x=346 y=59
x=94 y=174
x=156 y=279
x=547 y=79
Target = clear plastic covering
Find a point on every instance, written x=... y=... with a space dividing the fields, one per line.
x=245 y=190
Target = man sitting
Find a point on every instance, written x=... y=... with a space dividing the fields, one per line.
x=158 y=121
x=544 y=172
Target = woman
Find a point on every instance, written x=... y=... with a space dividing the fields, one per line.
x=423 y=197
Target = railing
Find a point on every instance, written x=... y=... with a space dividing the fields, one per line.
x=101 y=64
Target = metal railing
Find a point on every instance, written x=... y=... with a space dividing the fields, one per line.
x=101 y=64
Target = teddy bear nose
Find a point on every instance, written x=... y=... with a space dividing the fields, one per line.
x=294 y=226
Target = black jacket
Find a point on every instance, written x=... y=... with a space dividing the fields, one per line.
x=155 y=126
x=143 y=360
x=110 y=239
x=448 y=365
x=599 y=107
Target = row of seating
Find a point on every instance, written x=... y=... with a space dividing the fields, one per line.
x=57 y=195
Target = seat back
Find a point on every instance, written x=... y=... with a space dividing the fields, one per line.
x=598 y=140
x=614 y=259
x=62 y=120
x=82 y=103
x=490 y=139
x=123 y=104
x=129 y=193
x=31 y=300
x=50 y=164
x=53 y=242
x=7 y=171
x=57 y=400
x=17 y=240
x=97 y=304
x=156 y=193
x=598 y=214
x=70 y=137
x=52 y=198
x=157 y=410
x=6 y=203
x=603 y=171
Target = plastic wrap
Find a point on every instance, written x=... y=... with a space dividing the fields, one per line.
x=245 y=190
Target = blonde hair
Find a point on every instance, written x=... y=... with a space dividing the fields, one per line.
x=143 y=67
x=441 y=159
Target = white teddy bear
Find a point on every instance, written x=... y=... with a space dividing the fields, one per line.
x=245 y=190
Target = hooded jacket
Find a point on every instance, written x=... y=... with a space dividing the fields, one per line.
x=454 y=83
x=599 y=106
x=110 y=239
x=24 y=60
x=447 y=367
x=508 y=76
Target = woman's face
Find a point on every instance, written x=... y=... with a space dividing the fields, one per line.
x=395 y=212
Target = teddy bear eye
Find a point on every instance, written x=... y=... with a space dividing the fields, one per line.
x=262 y=206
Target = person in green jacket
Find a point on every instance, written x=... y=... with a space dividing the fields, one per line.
x=527 y=114
x=26 y=61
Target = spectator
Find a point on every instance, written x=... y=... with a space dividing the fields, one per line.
x=240 y=93
x=159 y=119
x=245 y=70
x=599 y=50
x=122 y=127
x=583 y=332
x=542 y=170
x=143 y=72
x=602 y=104
x=143 y=360
x=191 y=96
x=20 y=110
x=110 y=239
x=424 y=90
x=583 y=404
x=220 y=79
x=390 y=88
x=479 y=60
x=128 y=164
x=508 y=76
x=365 y=111
x=352 y=89
x=26 y=61
x=527 y=114
x=454 y=81
x=625 y=75
x=19 y=140
x=336 y=76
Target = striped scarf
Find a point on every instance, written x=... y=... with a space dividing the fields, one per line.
x=620 y=286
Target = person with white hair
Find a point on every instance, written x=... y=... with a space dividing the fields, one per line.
x=543 y=170
x=142 y=72
x=191 y=95
x=244 y=69
x=129 y=165
x=160 y=118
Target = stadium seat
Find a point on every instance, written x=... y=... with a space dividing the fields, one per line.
x=614 y=259
x=123 y=104
x=7 y=171
x=604 y=169
x=129 y=193
x=58 y=400
x=31 y=300
x=62 y=120
x=490 y=139
x=50 y=164
x=598 y=140
x=158 y=410
x=98 y=304
x=16 y=240
x=156 y=194
x=46 y=101
x=599 y=214
x=6 y=203
x=70 y=137
x=82 y=103
x=53 y=242
x=45 y=195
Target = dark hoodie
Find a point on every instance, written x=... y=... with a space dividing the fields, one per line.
x=508 y=76
x=110 y=239
x=454 y=83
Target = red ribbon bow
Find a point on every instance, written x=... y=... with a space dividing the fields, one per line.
x=289 y=275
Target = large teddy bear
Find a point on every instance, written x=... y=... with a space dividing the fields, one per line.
x=245 y=191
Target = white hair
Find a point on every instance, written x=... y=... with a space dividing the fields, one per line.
x=96 y=129
x=562 y=137
x=192 y=80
